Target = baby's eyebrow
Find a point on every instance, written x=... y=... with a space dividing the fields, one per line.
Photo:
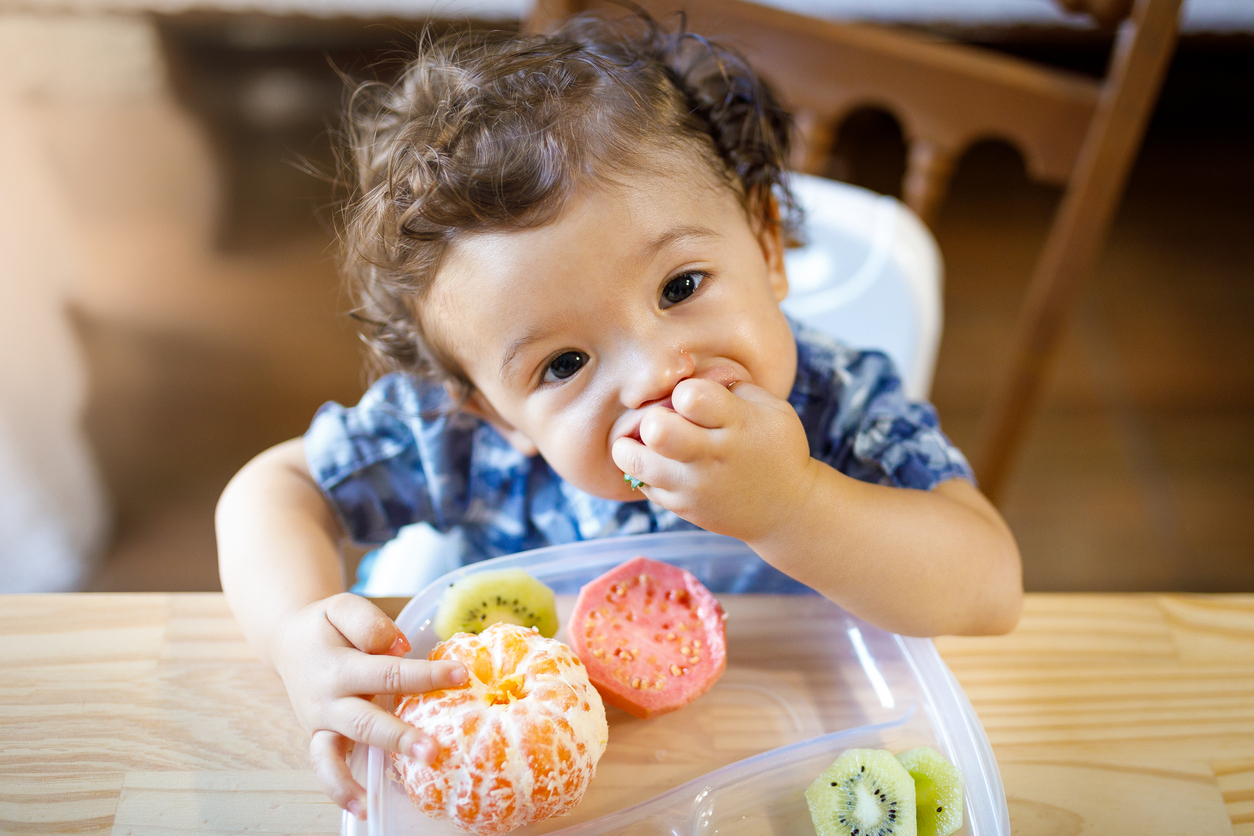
x=680 y=234
x=515 y=349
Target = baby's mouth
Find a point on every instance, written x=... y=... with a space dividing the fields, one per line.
x=723 y=375
x=633 y=432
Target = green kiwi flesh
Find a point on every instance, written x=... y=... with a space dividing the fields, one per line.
x=866 y=792
x=484 y=598
x=937 y=791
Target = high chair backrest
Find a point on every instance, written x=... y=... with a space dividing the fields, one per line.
x=869 y=274
x=1071 y=130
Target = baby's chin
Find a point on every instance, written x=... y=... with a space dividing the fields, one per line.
x=621 y=492
x=612 y=487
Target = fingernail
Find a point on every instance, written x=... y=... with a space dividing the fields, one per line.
x=458 y=676
x=399 y=647
x=424 y=750
x=355 y=808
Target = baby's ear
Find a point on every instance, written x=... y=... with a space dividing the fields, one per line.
x=770 y=231
x=479 y=406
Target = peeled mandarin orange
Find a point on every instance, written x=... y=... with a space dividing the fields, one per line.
x=518 y=744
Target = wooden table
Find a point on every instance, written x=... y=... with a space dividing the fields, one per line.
x=148 y=714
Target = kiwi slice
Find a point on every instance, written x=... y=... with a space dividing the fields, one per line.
x=937 y=791
x=866 y=792
x=509 y=595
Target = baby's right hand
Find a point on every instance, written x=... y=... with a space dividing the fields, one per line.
x=333 y=655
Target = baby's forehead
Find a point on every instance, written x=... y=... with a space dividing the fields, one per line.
x=642 y=222
x=655 y=198
x=680 y=179
x=681 y=161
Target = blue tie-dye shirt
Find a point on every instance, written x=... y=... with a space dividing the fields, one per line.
x=400 y=457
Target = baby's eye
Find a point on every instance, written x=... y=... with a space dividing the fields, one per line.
x=564 y=365
x=681 y=287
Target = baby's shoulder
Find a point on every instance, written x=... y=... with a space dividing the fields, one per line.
x=399 y=398
x=831 y=370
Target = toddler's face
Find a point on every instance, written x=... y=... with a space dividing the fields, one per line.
x=570 y=331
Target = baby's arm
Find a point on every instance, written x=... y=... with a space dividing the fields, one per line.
x=279 y=560
x=915 y=562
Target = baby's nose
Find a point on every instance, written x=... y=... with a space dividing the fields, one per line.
x=656 y=375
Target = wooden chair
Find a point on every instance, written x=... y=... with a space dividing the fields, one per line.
x=1071 y=130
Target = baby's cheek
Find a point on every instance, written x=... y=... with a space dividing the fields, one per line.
x=587 y=465
x=576 y=444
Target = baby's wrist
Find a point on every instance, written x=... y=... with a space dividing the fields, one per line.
x=792 y=510
x=278 y=645
x=287 y=632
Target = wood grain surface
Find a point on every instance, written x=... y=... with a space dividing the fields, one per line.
x=1120 y=713
x=149 y=714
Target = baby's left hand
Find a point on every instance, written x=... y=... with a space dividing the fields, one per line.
x=734 y=462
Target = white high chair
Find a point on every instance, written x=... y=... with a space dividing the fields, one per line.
x=869 y=275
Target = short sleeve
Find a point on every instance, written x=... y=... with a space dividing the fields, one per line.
x=398 y=457
x=859 y=420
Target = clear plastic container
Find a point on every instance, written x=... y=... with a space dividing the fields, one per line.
x=804 y=681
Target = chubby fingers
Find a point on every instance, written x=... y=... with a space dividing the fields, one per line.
x=672 y=436
x=365 y=626
x=667 y=440
x=357 y=718
x=753 y=394
x=632 y=457
x=363 y=674
x=360 y=719
x=705 y=403
x=682 y=434
x=328 y=753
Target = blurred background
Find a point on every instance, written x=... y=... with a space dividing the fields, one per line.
x=172 y=306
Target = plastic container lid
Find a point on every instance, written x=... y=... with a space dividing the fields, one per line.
x=738 y=759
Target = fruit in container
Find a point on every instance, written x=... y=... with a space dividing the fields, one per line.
x=866 y=792
x=482 y=599
x=937 y=790
x=651 y=636
x=519 y=743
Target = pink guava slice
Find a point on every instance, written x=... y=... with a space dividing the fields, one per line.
x=651 y=636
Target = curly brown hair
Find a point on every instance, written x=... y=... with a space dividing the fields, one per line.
x=489 y=131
